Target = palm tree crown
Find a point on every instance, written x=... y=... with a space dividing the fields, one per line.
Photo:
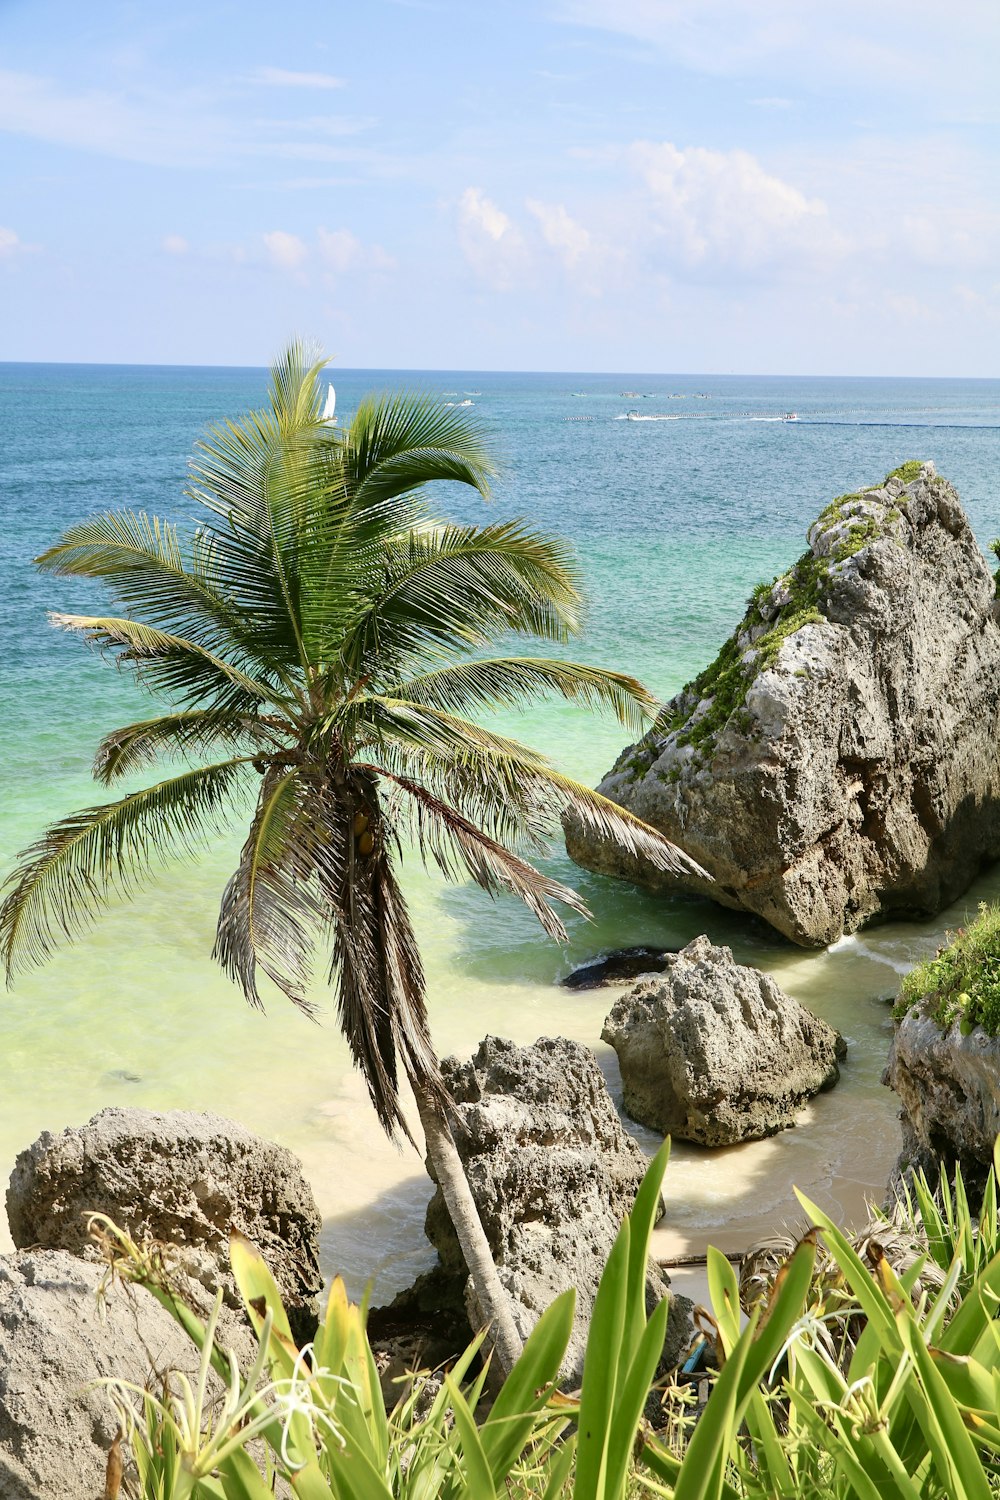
x=319 y=640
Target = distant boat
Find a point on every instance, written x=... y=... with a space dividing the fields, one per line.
x=331 y=405
x=466 y=403
x=790 y=416
x=632 y=395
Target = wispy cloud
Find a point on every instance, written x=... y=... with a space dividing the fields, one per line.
x=897 y=44
x=286 y=78
x=175 y=244
x=174 y=128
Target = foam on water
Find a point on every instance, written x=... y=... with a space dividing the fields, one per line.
x=673 y=532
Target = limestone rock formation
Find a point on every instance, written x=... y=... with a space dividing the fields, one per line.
x=949 y=1088
x=716 y=1053
x=181 y=1178
x=840 y=760
x=553 y=1174
x=56 y=1427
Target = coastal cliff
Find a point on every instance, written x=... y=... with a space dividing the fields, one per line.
x=839 y=761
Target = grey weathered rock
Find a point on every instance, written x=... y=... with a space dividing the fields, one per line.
x=553 y=1174
x=716 y=1053
x=180 y=1178
x=55 y=1427
x=949 y=1088
x=841 y=759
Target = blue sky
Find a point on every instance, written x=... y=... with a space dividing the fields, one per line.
x=772 y=186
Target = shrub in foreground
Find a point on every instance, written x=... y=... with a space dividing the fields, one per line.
x=853 y=1384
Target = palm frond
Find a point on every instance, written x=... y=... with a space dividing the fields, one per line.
x=65 y=878
x=513 y=681
x=456 y=587
x=618 y=826
x=502 y=777
x=379 y=719
x=399 y=442
x=379 y=981
x=272 y=914
x=461 y=850
x=142 y=562
x=186 y=671
x=191 y=732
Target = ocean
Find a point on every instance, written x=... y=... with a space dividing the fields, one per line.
x=675 y=517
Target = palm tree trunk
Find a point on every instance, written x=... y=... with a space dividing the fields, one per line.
x=489 y=1290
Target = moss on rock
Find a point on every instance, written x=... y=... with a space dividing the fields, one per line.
x=775 y=612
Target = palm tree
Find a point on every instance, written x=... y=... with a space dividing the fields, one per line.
x=319 y=638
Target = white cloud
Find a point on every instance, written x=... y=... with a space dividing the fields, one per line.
x=285 y=250
x=10 y=243
x=343 y=251
x=490 y=241
x=569 y=239
x=340 y=248
x=722 y=210
x=288 y=79
x=175 y=244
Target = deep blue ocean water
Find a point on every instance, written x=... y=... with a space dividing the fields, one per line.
x=675 y=517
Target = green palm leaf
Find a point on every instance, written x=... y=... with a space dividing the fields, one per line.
x=63 y=880
x=191 y=732
x=188 y=672
x=513 y=681
x=455 y=587
x=273 y=912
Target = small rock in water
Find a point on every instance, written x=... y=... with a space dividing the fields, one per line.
x=122 y=1075
x=622 y=964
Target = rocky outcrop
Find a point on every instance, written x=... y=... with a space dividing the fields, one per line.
x=56 y=1425
x=949 y=1088
x=179 y=1178
x=716 y=1053
x=553 y=1174
x=840 y=759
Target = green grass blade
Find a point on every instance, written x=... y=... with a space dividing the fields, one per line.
x=641 y=1222
x=479 y=1478
x=601 y=1372
x=632 y=1398
x=525 y=1391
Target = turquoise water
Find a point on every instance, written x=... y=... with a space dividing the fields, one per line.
x=674 y=520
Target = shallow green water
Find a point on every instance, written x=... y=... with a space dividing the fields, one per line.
x=674 y=521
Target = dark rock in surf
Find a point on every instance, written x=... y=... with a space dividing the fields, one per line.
x=617 y=967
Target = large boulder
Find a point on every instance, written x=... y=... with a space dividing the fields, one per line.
x=56 y=1425
x=553 y=1174
x=949 y=1088
x=716 y=1053
x=840 y=759
x=181 y=1178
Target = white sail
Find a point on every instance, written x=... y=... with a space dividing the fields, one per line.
x=331 y=404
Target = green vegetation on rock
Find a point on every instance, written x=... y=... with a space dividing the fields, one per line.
x=907 y=472
x=727 y=680
x=962 y=983
x=995 y=549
